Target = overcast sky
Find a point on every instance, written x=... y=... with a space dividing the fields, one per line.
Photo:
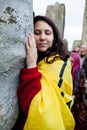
x=73 y=19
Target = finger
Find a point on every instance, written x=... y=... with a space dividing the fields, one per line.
x=27 y=46
x=32 y=39
x=29 y=40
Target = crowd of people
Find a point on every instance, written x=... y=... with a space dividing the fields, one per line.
x=83 y=53
x=79 y=109
x=47 y=93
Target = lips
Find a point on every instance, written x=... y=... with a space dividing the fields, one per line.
x=42 y=44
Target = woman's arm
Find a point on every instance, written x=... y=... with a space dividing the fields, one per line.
x=28 y=87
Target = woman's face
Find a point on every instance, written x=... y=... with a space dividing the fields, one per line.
x=43 y=35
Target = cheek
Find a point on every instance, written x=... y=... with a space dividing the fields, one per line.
x=36 y=39
x=51 y=40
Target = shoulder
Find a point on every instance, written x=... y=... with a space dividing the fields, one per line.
x=81 y=73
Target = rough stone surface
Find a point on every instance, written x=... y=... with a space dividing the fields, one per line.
x=76 y=43
x=57 y=13
x=16 y=22
x=84 y=33
x=84 y=30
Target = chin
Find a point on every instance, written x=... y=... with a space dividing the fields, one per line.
x=42 y=50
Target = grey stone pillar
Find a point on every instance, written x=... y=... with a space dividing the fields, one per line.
x=84 y=32
x=57 y=13
x=16 y=22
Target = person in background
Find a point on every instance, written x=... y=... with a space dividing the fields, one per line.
x=77 y=49
x=79 y=109
x=83 y=54
x=83 y=49
x=44 y=102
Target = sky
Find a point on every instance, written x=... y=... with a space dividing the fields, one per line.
x=74 y=10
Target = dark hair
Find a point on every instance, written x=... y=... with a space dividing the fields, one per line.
x=58 y=43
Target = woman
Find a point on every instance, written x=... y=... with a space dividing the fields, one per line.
x=75 y=63
x=79 y=109
x=76 y=68
x=44 y=104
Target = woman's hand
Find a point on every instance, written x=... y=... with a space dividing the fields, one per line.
x=31 y=52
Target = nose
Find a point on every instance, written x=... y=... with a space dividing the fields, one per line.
x=42 y=36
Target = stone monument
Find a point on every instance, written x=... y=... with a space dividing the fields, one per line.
x=57 y=13
x=16 y=22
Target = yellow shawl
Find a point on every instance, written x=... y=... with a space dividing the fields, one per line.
x=48 y=109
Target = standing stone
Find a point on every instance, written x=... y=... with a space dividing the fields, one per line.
x=78 y=43
x=84 y=33
x=16 y=22
x=57 y=13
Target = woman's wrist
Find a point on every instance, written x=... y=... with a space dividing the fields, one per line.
x=32 y=65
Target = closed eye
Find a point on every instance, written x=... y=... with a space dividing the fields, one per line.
x=37 y=32
x=48 y=32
